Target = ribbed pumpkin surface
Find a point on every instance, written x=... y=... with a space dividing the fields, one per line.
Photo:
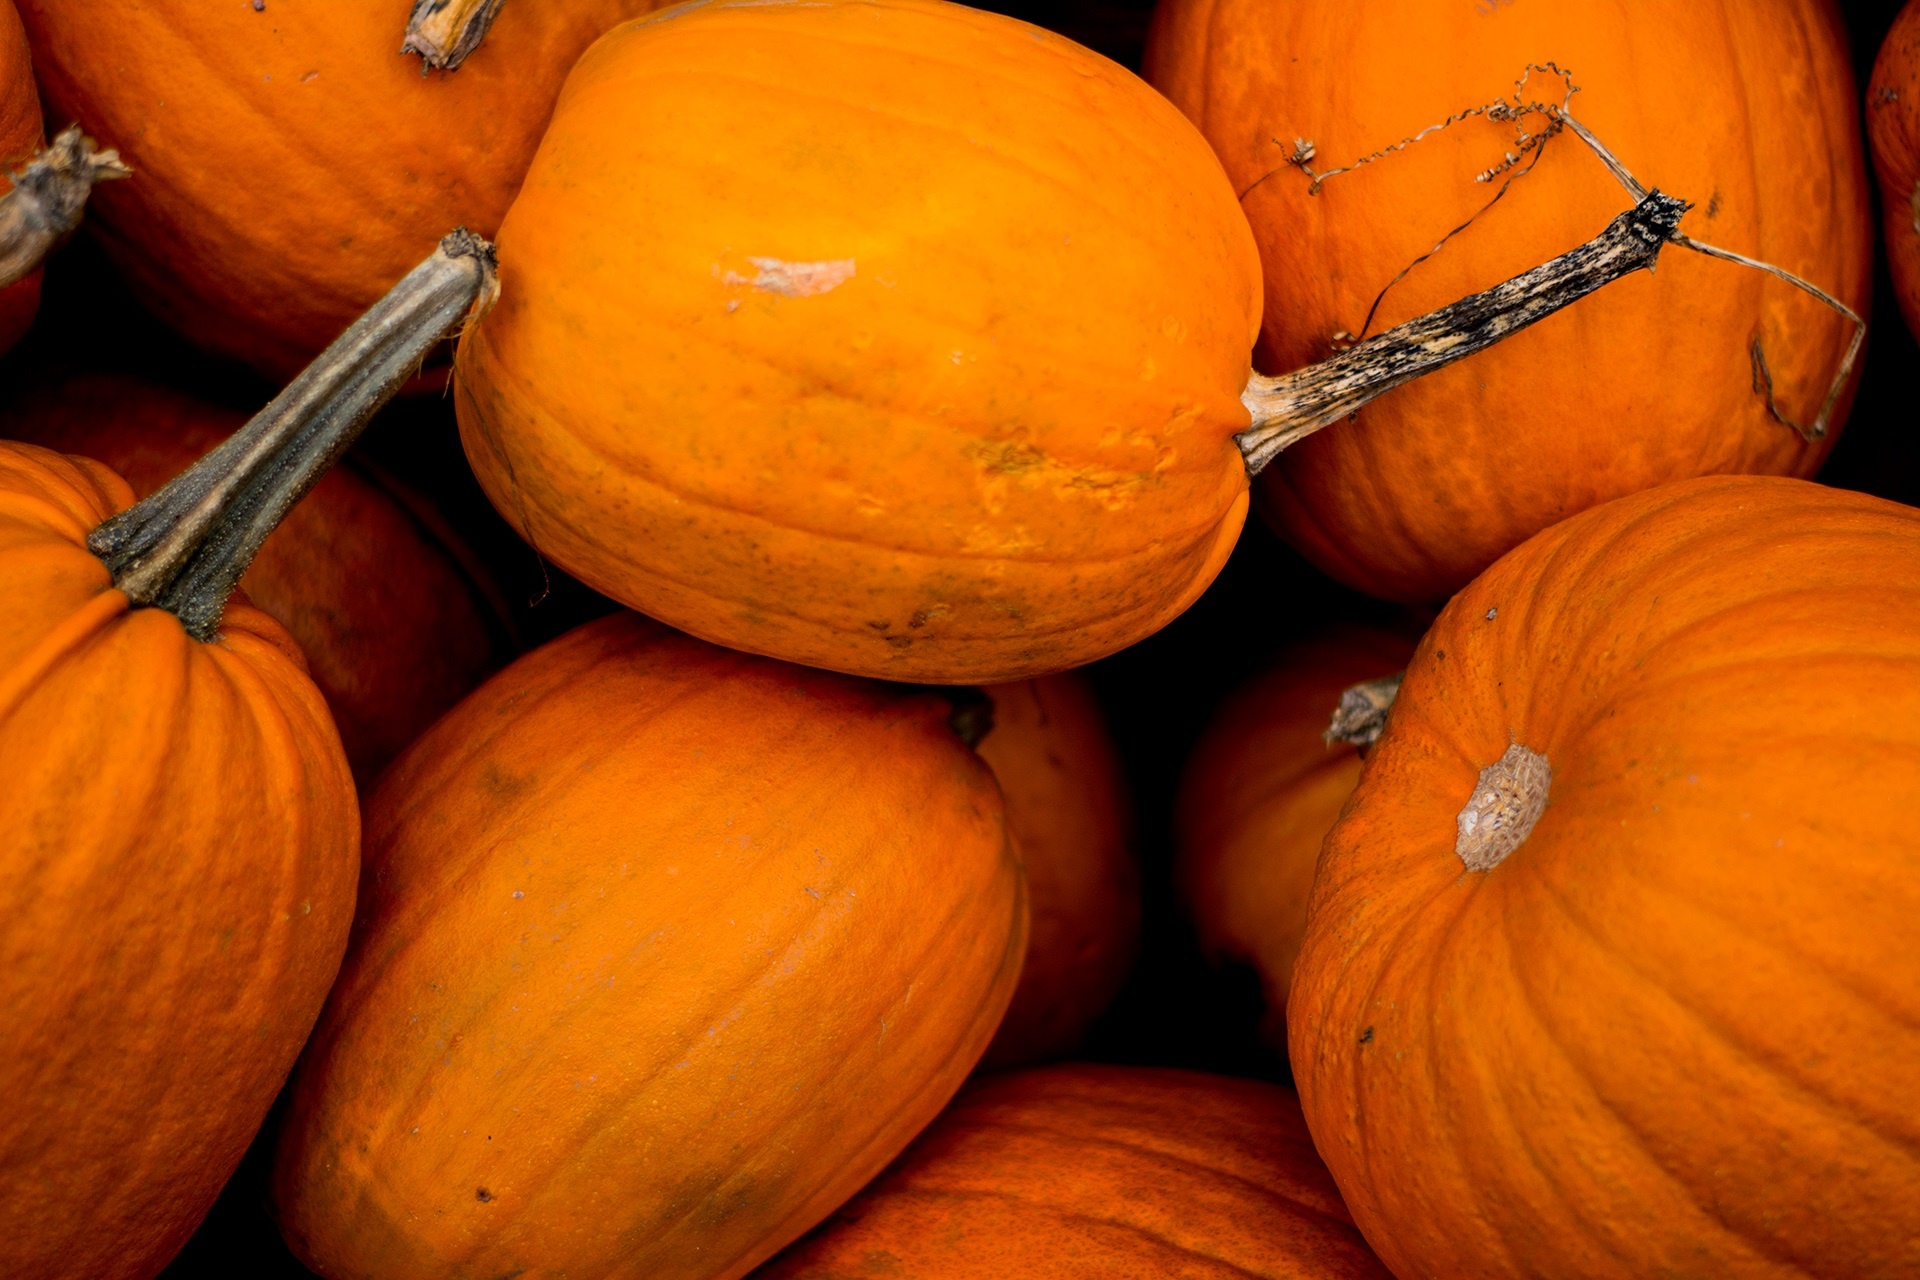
x=1091 y=1171
x=1676 y=1032
x=178 y=841
x=665 y=950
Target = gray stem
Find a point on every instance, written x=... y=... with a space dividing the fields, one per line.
x=1362 y=714
x=48 y=198
x=1291 y=407
x=184 y=548
x=444 y=32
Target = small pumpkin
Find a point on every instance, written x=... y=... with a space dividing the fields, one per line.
x=1893 y=135
x=885 y=373
x=291 y=165
x=1705 y=367
x=1083 y=1170
x=178 y=829
x=1068 y=812
x=1258 y=796
x=1608 y=967
x=663 y=951
x=395 y=617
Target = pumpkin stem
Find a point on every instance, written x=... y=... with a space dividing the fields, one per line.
x=48 y=198
x=1362 y=714
x=184 y=548
x=1291 y=407
x=444 y=32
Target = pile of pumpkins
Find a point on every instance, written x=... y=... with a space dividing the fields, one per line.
x=884 y=361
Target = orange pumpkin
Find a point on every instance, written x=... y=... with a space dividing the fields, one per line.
x=1098 y=1171
x=1257 y=798
x=395 y=617
x=1746 y=108
x=179 y=833
x=290 y=165
x=663 y=952
x=1893 y=134
x=1068 y=813
x=20 y=137
x=1608 y=967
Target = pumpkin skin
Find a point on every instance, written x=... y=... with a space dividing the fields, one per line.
x=395 y=618
x=1082 y=1170
x=1650 y=381
x=1257 y=798
x=1067 y=810
x=1893 y=136
x=21 y=134
x=1675 y=1031
x=954 y=375
x=179 y=839
x=292 y=166
x=664 y=951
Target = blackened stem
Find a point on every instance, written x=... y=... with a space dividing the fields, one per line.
x=1291 y=407
x=184 y=548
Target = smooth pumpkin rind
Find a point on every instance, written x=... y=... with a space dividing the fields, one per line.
x=1082 y=1170
x=952 y=375
x=1669 y=1033
x=664 y=951
x=1071 y=819
x=1257 y=798
x=1746 y=110
x=394 y=622
x=291 y=165
x=179 y=835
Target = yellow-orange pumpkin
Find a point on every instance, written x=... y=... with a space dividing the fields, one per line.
x=1669 y=1023
x=1257 y=798
x=395 y=618
x=1094 y=1171
x=1893 y=133
x=663 y=951
x=291 y=164
x=178 y=839
x=1069 y=815
x=1747 y=109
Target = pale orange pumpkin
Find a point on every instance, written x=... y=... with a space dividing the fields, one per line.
x=1608 y=967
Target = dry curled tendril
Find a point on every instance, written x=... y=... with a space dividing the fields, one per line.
x=1537 y=122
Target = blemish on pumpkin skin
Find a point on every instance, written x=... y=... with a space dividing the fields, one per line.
x=793 y=279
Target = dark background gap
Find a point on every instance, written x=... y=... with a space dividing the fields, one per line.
x=1176 y=1010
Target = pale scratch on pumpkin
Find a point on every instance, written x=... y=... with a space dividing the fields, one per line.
x=793 y=279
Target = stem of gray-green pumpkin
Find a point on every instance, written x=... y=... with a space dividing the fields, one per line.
x=1293 y=406
x=47 y=199
x=184 y=548
x=444 y=32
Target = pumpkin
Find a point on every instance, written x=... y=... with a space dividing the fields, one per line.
x=290 y=165
x=1893 y=135
x=1084 y=1170
x=813 y=348
x=1747 y=109
x=395 y=617
x=1068 y=813
x=663 y=952
x=1258 y=795
x=20 y=137
x=1608 y=967
x=178 y=829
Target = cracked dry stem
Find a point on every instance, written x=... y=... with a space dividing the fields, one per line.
x=1289 y=408
x=47 y=199
x=444 y=32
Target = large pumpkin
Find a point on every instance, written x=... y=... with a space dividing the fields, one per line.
x=1098 y=1171
x=1745 y=107
x=663 y=951
x=1893 y=132
x=291 y=164
x=1609 y=966
x=178 y=828
x=1070 y=817
x=395 y=618
x=1258 y=796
